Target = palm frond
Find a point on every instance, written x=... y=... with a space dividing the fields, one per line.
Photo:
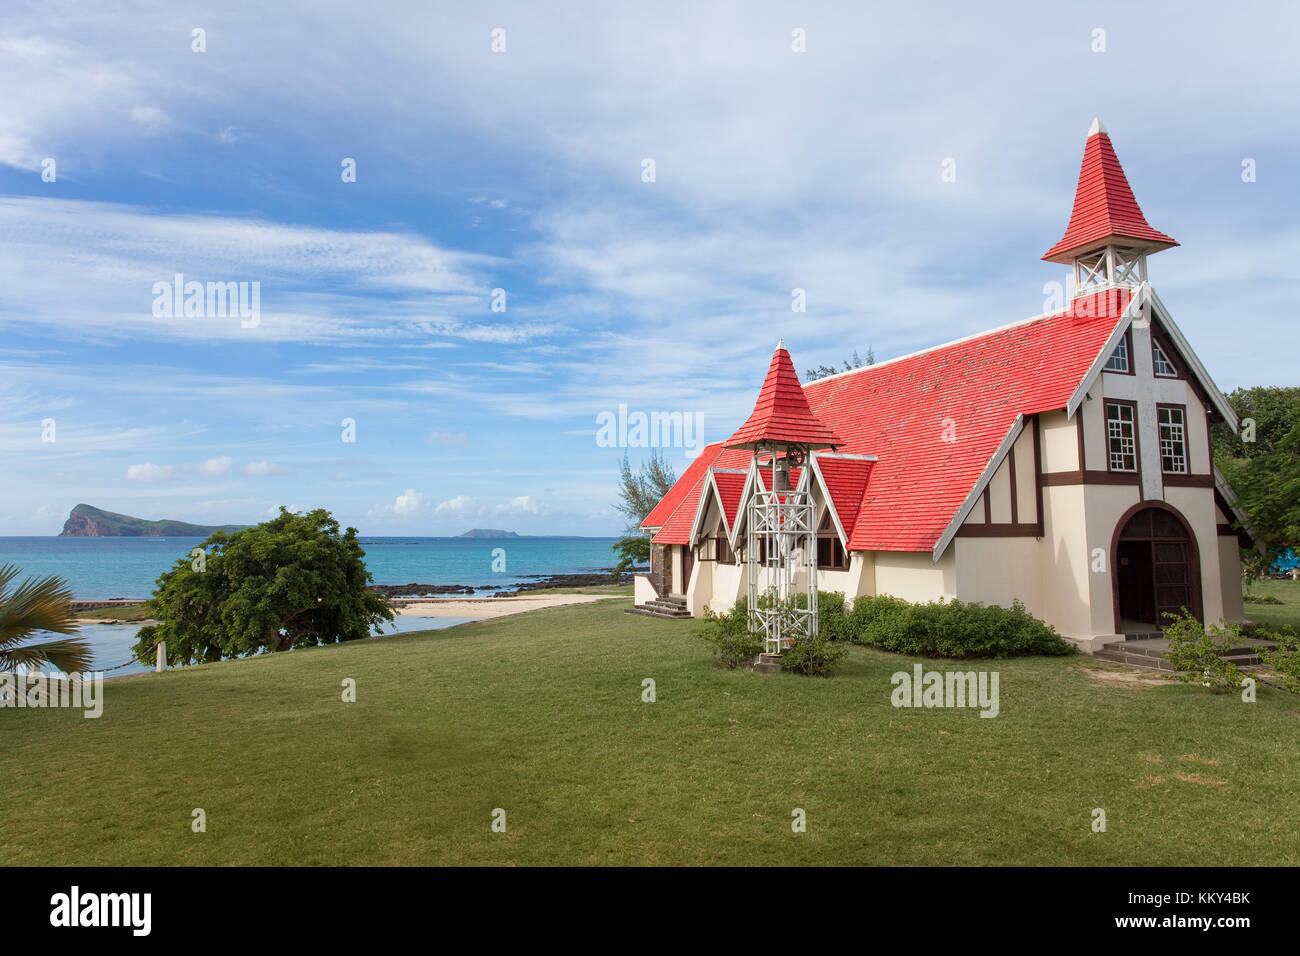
x=38 y=604
x=72 y=655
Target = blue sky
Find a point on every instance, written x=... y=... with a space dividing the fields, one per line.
x=522 y=171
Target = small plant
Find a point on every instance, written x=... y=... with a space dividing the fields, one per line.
x=1284 y=660
x=813 y=657
x=1259 y=598
x=1196 y=653
x=729 y=636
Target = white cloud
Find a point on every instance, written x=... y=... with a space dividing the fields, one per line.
x=447 y=438
x=148 y=472
x=523 y=504
x=150 y=118
x=215 y=466
x=460 y=505
x=263 y=469
x=411 y=502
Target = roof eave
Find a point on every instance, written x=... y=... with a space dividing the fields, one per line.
x=950 y=532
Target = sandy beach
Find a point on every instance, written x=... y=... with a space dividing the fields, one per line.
x=482 y=608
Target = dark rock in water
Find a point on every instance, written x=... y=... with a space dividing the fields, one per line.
x=538 y=582
x=421 y=590
x=545 y=581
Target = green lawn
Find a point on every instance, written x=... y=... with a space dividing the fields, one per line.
x=1288 y=612
x=541 y=714
x=133 y=612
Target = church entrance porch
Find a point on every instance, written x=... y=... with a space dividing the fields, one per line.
x=1156 y=569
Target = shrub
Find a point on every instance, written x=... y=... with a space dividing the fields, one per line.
x=1285 y=658
x=832 y=618
x=813 y=657
x=951 y=629
x=1195 y=653
x=729 y=636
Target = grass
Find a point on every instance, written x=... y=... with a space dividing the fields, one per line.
x=541 y=714
x=1288 y=612
x=133 y=612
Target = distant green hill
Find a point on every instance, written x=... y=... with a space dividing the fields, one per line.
x=88 y=522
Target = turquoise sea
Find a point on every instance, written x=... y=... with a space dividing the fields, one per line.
x=99 y=568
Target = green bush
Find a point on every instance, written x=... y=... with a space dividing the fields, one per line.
x=1195 y=653
x=951 y=629
x=832 y=615
x=813 y=657
x=1285 y=658
x=729 y=636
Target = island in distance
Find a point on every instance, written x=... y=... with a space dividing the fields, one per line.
x=487 y=533
x=86 y=521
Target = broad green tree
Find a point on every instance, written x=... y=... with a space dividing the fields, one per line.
x=1264 y=472
x=293 y=581
x=638 y=493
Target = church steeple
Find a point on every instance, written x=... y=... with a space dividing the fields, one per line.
x=1108 y=239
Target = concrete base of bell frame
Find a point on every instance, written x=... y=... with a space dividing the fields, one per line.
x=767 y=663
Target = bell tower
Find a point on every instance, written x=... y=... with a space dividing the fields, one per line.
x=781 y=542
x=1108 y=239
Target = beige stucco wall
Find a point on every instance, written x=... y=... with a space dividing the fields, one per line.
x=1230 y=579
x=700 y=588
x=728 y=585
x=1060 y=442
x=643 y=592
x=1001 y=570
x=913 y=575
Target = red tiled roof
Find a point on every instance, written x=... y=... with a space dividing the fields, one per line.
x=902 y=410
x=730 y=486
x=691 y=476
x=1104 y=204
x=781 y=413
x=676 y=512
x=845 y=480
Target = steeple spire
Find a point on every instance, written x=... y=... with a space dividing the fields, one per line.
x=1108 y=238
x=781 y=415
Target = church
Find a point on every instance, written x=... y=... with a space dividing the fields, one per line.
x=1063 y=460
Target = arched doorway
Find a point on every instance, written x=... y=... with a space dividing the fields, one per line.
x=1156 y=568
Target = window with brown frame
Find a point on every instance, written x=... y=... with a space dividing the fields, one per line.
x=722 y=550
x=1119 y=360
x=831 y=555
x=1121 y=436
x=1164 y=368
x=1172 y=422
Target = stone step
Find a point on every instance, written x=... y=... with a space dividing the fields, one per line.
x=646 y=611
x=1155 y=662
x=672 y=609
x=1128 y=647
x=1133 y=660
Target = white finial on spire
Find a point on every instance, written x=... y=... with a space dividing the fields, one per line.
x=780 y=346
x=1096 y=127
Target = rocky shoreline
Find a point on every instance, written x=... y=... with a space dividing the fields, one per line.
x=539 y=582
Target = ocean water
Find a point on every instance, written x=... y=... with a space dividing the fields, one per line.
x=99 y=568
